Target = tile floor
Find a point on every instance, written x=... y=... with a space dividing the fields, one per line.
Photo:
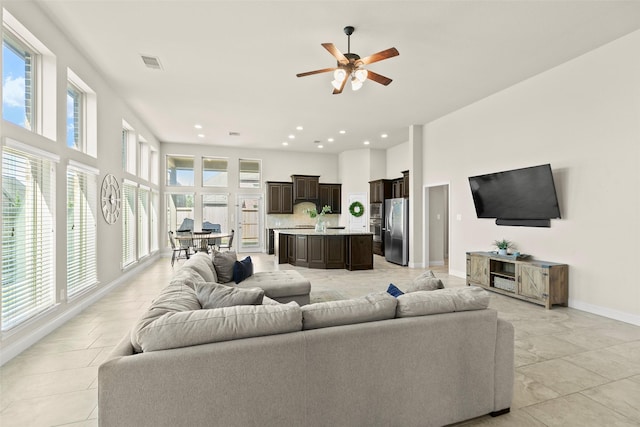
x=572 y=368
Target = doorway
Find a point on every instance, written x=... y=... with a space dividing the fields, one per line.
x=249 y=214
x=437 y=223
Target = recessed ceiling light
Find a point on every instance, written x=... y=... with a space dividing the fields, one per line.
x=342 y=132
x=320 y=145
x=384 y=135
x=330 y=139
x=366 y=143
x=292 y=137
x=201 y=135
x=197 y=126
x=299 y=128
x=285 y=143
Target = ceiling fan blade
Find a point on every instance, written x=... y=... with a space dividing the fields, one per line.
x=344 y=82
x=310 y=73
x=385 y=54
x=378 y=78
x=336 y=53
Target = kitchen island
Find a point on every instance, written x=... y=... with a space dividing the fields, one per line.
x=328 y=249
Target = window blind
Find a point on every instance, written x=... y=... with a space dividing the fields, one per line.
x=82 y=189
x=143 y=221
x=28 y=238
x=128 y=223
x=155 y=203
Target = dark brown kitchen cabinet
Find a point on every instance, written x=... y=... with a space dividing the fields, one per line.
x=305 y=188
x=359 y=252
x=379 y=190
x=405 y=183
x=331 y=195
x=279 y=197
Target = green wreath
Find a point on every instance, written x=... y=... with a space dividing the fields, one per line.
x=356 y=209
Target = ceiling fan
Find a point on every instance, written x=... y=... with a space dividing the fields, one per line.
x=350 y=65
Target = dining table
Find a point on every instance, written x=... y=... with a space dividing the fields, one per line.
x=201 y=240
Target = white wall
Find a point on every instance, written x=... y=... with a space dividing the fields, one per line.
x=398 y=160
x=352 y=163
x=583 y=118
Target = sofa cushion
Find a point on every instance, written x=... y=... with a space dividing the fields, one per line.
x=421 y=303
x=186 y=276
x=216 y=295
x=372 y=307
x=223 y=263
x=276 y=284
x=173 y=298
x=202 y=264
x=242 y=269
x=188 y=328
x=427 y=281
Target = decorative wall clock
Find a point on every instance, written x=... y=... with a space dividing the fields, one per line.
x=110 y=198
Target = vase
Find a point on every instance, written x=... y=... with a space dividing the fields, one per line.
x=319 y=225
x=502 y=251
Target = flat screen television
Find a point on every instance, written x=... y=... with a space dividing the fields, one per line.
x=524 y=196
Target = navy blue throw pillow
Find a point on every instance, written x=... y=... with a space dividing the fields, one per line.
x=394 y=291
x=242 y=269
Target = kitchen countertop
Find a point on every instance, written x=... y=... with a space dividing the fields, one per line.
x=329 y=232
x=307 y=227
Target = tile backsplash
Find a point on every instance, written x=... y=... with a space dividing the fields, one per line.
x=299 y=217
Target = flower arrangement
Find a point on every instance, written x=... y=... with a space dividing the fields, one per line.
x=313 y=213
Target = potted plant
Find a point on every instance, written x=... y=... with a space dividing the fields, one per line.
x=503 y=245
x=313 y=213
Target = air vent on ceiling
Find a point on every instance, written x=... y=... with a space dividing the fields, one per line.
x=232 y=133
x=151 y=62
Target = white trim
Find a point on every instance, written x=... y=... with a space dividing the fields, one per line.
x=83 y=168
x=622 y=316
x=14 y=349
x=129 y=182
x=29 y=149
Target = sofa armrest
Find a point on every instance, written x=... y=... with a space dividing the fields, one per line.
x=504 y=368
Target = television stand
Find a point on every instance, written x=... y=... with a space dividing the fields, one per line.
x=540 y=282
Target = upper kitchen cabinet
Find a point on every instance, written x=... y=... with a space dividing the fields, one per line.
x=279 y=197
x=331 y=195
x=305 y=188
x=379 y=190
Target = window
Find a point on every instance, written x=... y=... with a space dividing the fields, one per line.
x=28 y=239
x=82 y=189
x=128 y=223
x=214 y=172
x=82 y=115
x=180 y=171
x=155 y=167
x=18 y=79
x=155 y=203
x=215 y=211
x=249 y=173
x=180 y=212
x=143 y=221
x=75 y=108
x=129 y=148
x=144 y=160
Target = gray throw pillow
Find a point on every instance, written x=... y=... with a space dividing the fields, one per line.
x=372 y=307
x=223 y=263
x=215 y=295
x=427 y=281
x=422 y=303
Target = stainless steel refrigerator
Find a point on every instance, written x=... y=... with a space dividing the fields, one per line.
x=396 y=231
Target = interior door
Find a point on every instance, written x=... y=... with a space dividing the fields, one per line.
x=248 y=235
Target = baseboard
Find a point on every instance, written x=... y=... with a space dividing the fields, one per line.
x=622 y=316
x=460 y=274
x=10 y=351
x=415 y=265
x=436 y=263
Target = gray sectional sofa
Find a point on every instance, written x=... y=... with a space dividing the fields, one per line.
x=425 y=358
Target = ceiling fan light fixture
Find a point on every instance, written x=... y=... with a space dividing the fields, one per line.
x=336 y=83
x=361 y=74
x=355 y=84
x=339 y=74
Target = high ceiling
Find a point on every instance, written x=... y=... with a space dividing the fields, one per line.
x=231 y=66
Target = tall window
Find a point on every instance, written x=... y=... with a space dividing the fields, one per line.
x=28 y=240
x=249 y=173
x=75 y=109
x=129 y=148
x=155 y=167
x=144 y=161
x=215 y=211
x=143 y=221
x=82 y=188
x=180 y=171
x=18 y=80
x=128 y=223
x=180 y=212
x=155 y=203
x=214 y=172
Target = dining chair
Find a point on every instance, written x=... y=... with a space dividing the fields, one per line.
x=213 y=241
x=177 y=250
x=227 y=245
x=186 y=240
